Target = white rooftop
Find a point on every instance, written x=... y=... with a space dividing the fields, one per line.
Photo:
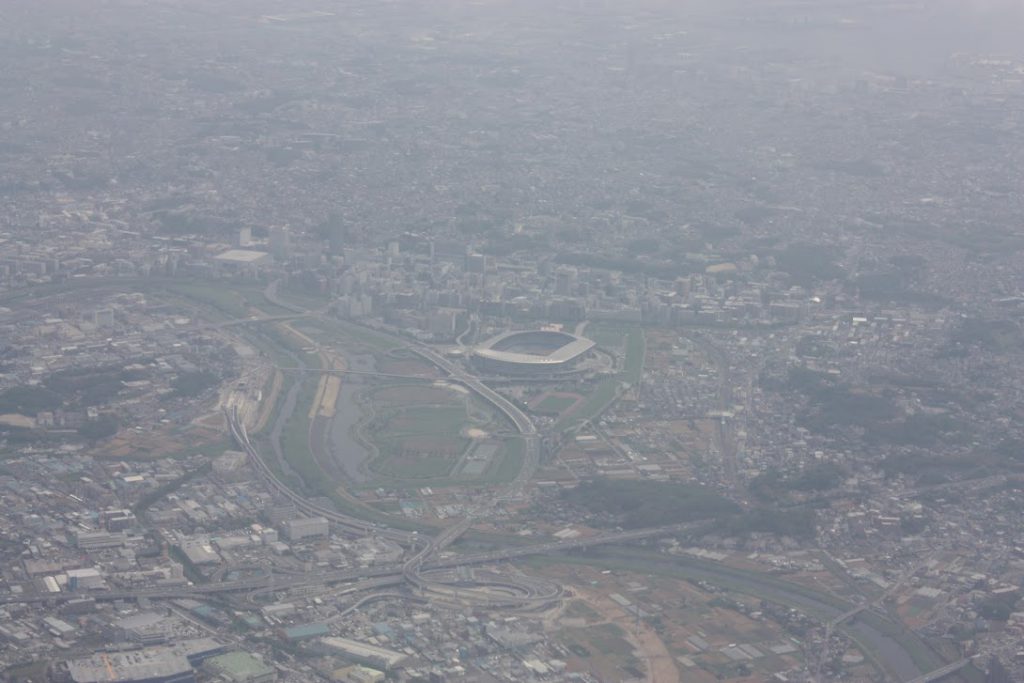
x=242 y=256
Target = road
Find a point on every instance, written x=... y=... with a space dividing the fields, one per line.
x=523 y=424
x=905 y=576
x=412 y=566
x=941 y=672
x=724 y=429
x=397 y=572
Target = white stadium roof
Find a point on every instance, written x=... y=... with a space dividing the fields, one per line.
x=576 y=347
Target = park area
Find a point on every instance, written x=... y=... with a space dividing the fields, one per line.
x=434 y=434
x=554 y=404
x=420 y=442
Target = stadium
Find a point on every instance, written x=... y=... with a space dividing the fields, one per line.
x=531 y=352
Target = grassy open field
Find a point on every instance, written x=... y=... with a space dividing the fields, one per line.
x=417 y=430
x=226 y=300
x=441 y=420
x=636 y=350
x=211 y=449
x=508 y=464
x=607 y=336
x=503 y=469
x=305 y=300
x=295 y=441
x=603 y=650
x=414 y=394
x=419 y=441
x=555 y=405
x=605 y=391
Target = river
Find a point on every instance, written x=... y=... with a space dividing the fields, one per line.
x=344 y=448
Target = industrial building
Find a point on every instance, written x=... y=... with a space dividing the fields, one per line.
x=146 y=628
x=363 y=653
x=200 y=553
x=294 y=634
x=98 y=540
x=278 y=610
x=166 y=664
x=358 y=674
x=305 y=527
x=87 y=578
x=117 y=520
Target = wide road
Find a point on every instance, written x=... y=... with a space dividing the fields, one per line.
x=289 y=581
x=523 y=424
x=724 y=429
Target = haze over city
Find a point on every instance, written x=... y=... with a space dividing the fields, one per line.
x=505 y=340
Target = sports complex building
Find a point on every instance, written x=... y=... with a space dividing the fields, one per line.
x=532 y=352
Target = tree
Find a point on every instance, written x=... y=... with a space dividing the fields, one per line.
x=104 y=426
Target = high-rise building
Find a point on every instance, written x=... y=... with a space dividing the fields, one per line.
x=280 y=242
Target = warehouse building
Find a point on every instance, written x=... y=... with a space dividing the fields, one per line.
x=364 y=653
x=166 y=664
x=306 y=527
x=139 y=666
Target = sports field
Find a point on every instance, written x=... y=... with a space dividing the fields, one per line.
x=416 y=431
x=555 y=403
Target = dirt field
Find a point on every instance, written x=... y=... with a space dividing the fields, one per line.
x=676 y=612
x=269 y=401
x=330 y=396
x=15 y=420
x=648 y=647
x=131 y=445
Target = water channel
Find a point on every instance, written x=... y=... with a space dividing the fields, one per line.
x=343 y=447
